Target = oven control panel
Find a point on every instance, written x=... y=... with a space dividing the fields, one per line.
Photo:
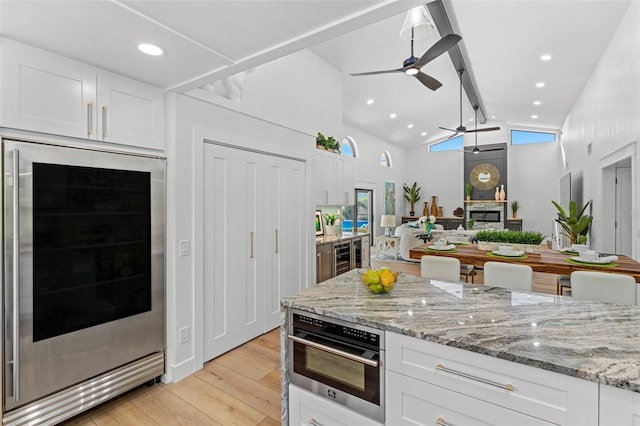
x=330 y=328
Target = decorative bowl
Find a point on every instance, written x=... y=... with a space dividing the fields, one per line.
x=379 y=281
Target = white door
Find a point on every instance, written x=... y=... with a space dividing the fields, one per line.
x=233 y=237
x=624 y=233
x=286 y=225
x=130 y=112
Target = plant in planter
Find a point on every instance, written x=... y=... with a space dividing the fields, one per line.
x=330 y=220
x=526 y=241
x=470 y=223
x=327 y=143
x=467 y=190
x=575 y=224
x=412 y=196
x=514 y=208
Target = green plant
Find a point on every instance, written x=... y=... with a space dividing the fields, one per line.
x=470 y=223
x=515 y=207
x=575 y=224
x=507 y=236
x=330 y=219
x=467 y=189
x=412 y=194
x=327 y=142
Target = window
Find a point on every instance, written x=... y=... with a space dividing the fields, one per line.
x=349 y=147
x=452 y=144
x=385 y=159
x=522 y=137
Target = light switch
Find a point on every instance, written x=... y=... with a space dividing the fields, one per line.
x=185 y=249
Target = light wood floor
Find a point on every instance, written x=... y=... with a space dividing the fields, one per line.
x=241 y=387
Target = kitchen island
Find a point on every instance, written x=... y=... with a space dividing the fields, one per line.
x=590 y=345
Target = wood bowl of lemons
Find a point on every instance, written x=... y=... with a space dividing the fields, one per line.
x=378 y=281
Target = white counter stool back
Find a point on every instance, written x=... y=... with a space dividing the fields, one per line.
x=508 y=275
x=603 y=286
x=440 y=268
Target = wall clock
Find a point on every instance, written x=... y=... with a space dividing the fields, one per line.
x=484 y=176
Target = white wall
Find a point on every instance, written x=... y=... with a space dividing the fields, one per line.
x=607 y=116
x=273 y=116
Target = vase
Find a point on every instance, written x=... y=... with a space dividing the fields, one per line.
x=440 y=213
x=502 y=194
x=425 y=210
x=434 y=206
x=497 y=196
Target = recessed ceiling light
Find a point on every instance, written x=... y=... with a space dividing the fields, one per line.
x=410 y=126
x=370 y=101
x=537 y=102
x=393 y=115
x=150 y=49
x=540 y=84
x=423 y=134
x=493 y=116
x=545 y=57
x=534 y=116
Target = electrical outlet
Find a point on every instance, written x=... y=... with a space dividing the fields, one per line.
x=185 y=250
x=184 y=335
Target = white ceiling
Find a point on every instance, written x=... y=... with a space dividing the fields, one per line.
x=209 y=40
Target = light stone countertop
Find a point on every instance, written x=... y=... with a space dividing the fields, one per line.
x=591 y=340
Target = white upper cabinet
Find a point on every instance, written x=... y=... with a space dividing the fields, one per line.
x=334 y=179
x=47 y=93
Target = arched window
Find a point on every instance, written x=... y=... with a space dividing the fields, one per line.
x=452 y=144
x=349 y=147
x=385 y=159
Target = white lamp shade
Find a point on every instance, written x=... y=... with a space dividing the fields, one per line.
x=417 y=19
x=388 y=221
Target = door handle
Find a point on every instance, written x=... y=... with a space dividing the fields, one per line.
x=16 y=277
x=276 y=241
x=251 y=234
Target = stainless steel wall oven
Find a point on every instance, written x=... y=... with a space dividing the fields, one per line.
x=339 y=360
x=83 y=277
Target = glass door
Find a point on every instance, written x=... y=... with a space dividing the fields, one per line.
x=364 y=210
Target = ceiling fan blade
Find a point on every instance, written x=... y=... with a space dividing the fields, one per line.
x=378 y=72
x=440 y=47
x=486 y=129
x=428 y=81
x=451 y=130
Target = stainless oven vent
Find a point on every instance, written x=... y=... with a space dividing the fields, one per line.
x=78 y=398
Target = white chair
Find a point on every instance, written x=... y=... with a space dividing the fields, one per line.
x=603 y=286
x=508 y=275
x=440 y=268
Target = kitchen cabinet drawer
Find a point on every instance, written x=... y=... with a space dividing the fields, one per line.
x=306 y=408
x=412 y=402
x=619 y=407
x=554 y=397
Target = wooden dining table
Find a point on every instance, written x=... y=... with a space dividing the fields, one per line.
x=549 y=260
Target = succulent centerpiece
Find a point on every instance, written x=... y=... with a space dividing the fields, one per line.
x=526 y=241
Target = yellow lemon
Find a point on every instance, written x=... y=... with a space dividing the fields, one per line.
x=387 y=278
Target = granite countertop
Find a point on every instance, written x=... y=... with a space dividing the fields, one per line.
x=325 y=239
x=591 y=340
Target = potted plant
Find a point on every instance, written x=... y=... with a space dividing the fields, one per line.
x=575 y=224
x=467 y=191
x=470 y=223
x=514 y=208
x=327 y=143
x=412 y=195
x=332 y=227
x=526 y=241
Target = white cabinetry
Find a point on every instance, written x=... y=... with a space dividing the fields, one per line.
x=619 y=407
x=48 y=93
x=484 y=382
x=334 y=179
x=254 y=242
x=306 y=408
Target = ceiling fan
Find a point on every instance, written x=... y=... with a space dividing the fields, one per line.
x=412 y=65
x=475 y=149
x=463 y=129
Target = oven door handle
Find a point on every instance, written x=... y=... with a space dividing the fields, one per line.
x=331 y=350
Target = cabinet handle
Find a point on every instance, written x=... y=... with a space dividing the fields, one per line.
x=440 y=422
x=314 y=422
x=508 y=386
x=90 y=118
x=104 y=122
x=326 y=196
x=251 y=234
x=346 y=197
x=276 y=241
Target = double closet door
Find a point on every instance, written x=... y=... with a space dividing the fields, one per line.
x=254 y=242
